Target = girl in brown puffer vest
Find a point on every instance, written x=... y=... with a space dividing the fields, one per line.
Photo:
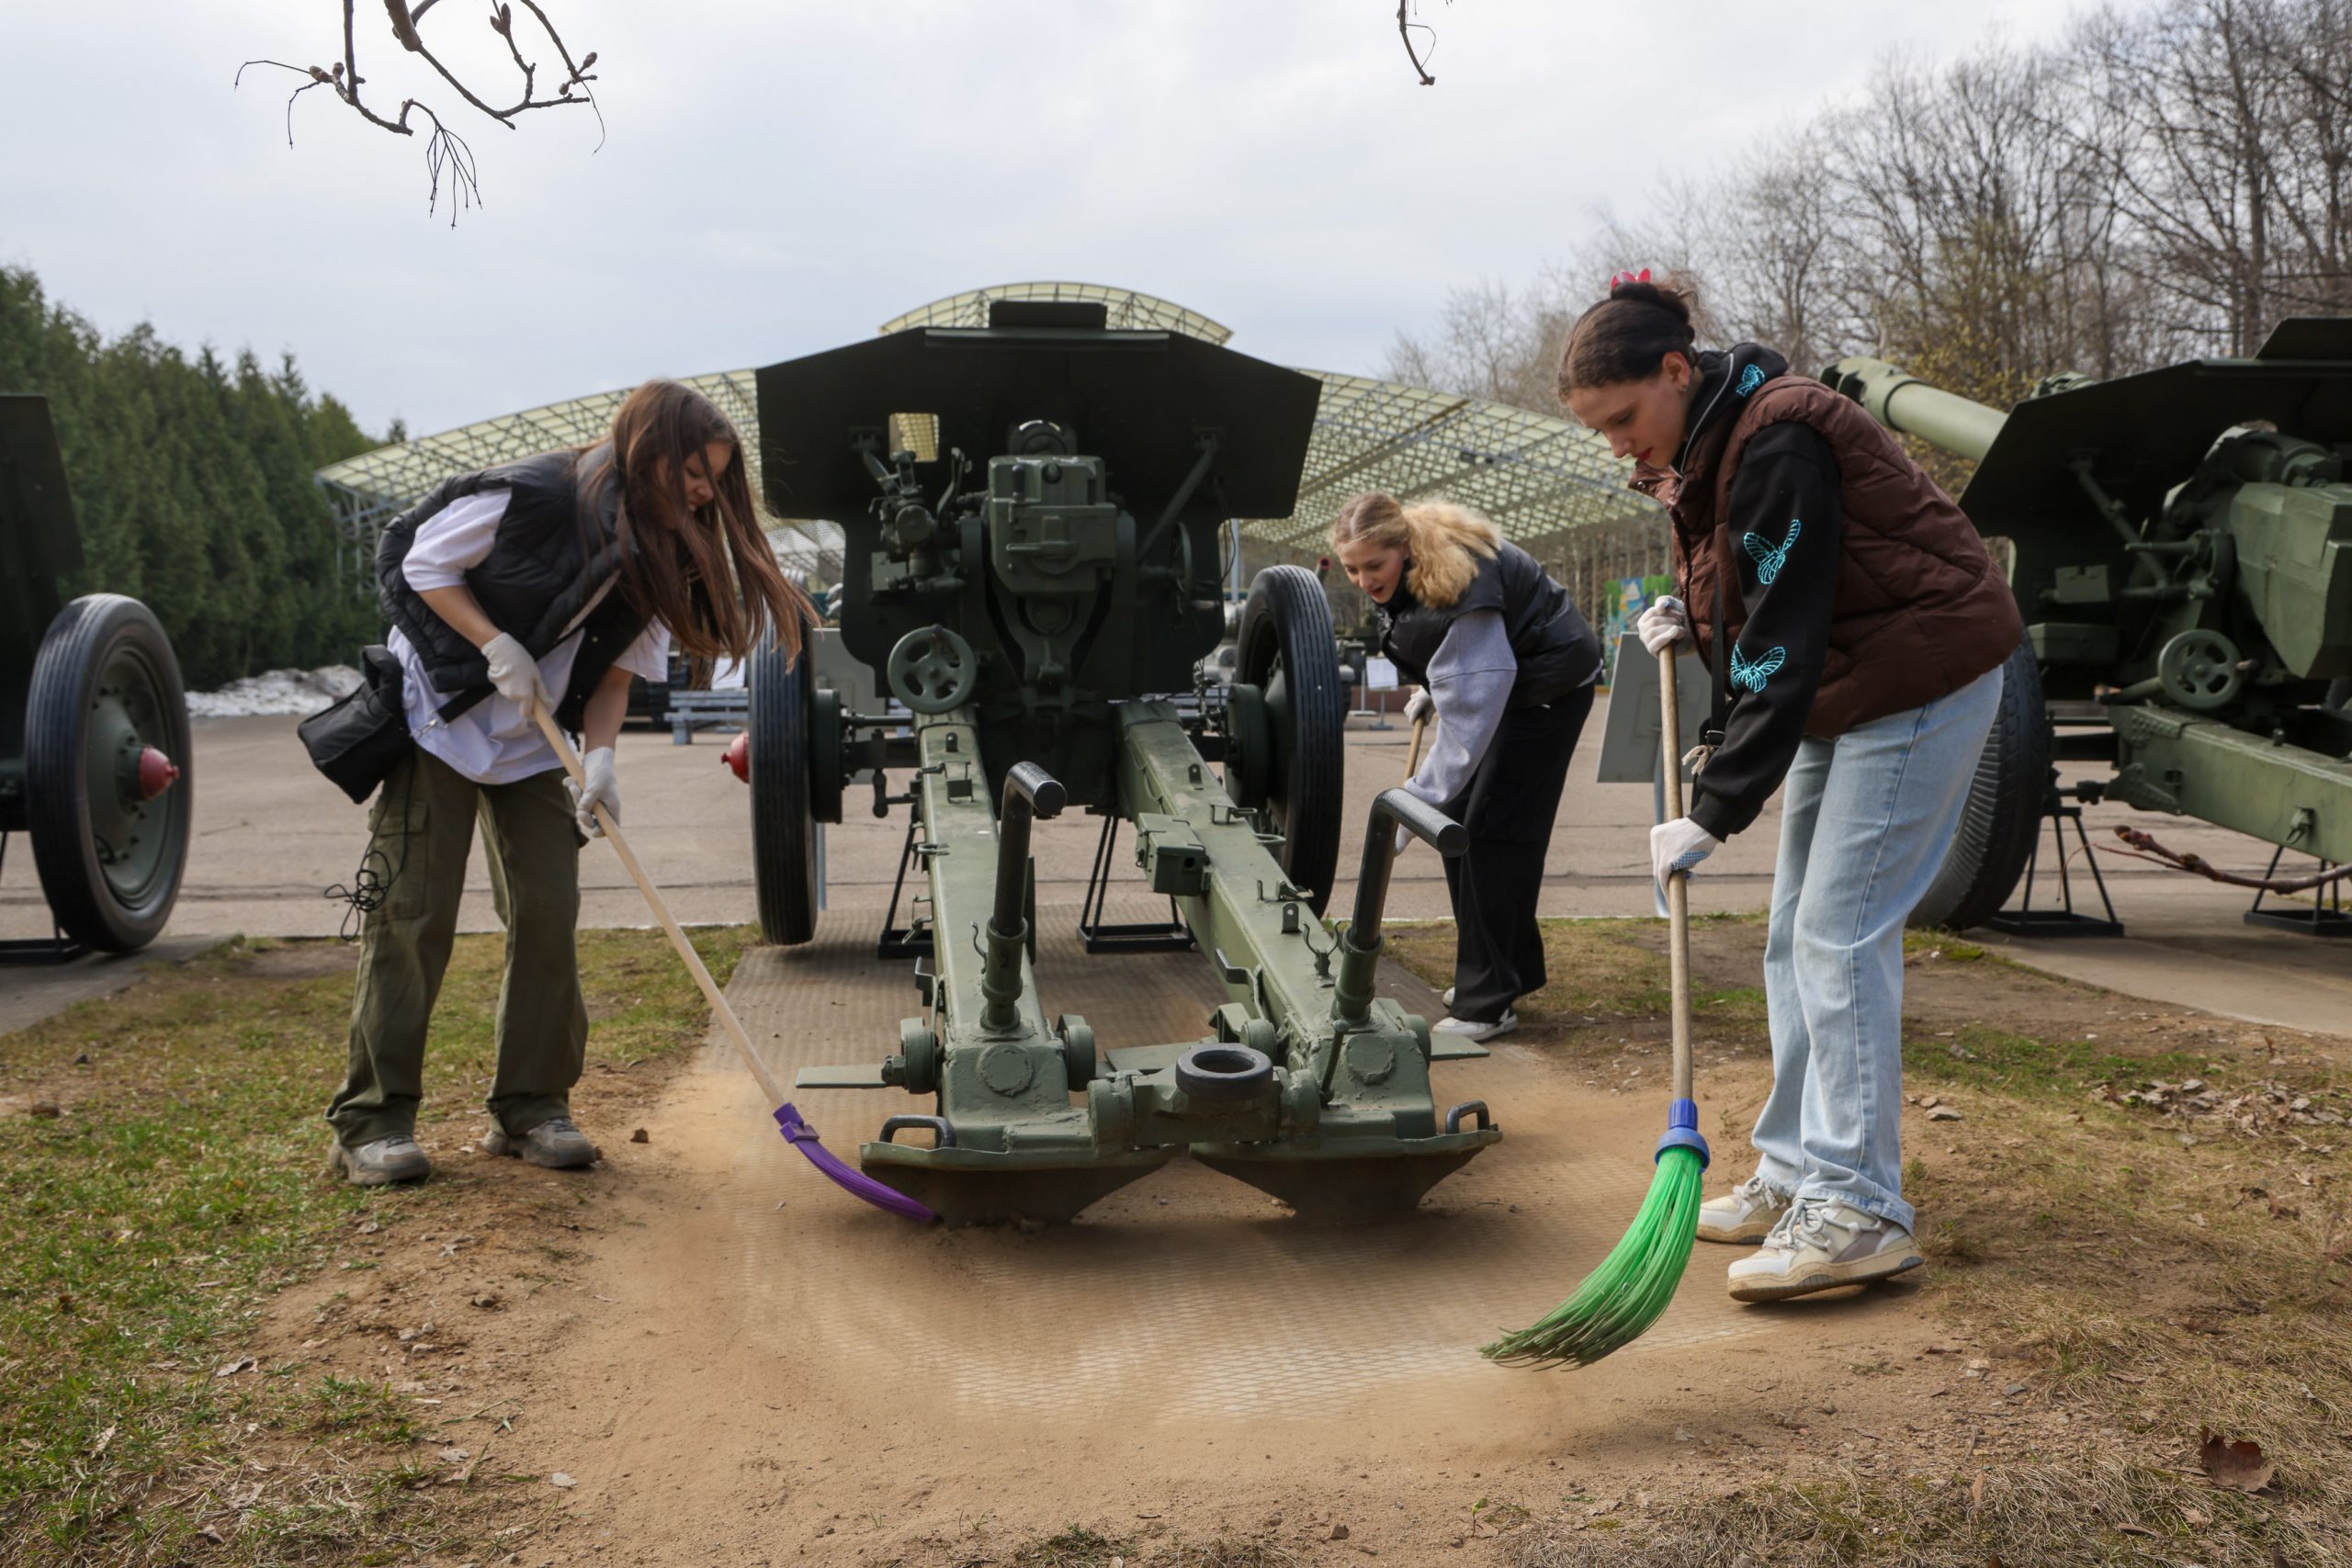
x=1857 y=628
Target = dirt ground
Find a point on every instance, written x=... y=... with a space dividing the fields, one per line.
x=699 y=1352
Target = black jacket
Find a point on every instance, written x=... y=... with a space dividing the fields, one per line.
x=1556 y=649
x=545 y=567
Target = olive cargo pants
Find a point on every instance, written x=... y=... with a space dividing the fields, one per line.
x=422 y=828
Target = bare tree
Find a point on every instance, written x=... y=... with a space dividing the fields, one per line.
x=447 y=153
x=2162 y=183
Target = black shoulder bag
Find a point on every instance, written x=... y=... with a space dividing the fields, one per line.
x=358 y=740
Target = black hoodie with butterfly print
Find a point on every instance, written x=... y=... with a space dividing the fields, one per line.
x=1784 y=511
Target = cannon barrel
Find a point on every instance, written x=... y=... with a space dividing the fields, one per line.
x=1902 y=401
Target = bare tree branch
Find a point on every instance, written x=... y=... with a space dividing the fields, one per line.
x=446 y=155
x=1406 y=29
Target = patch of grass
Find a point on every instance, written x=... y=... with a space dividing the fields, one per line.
x=1076 y=1546
x=2111 y=1510
x=2017 y=1063
x=357 y=1405
x=178 y=1187
x=1607 y=977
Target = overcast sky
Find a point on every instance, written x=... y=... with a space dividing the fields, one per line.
x=780 y=177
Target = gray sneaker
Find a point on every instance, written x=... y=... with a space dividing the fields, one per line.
x=554 y=1142
x=1820 y=1244
x=1744 y=1215
x=381 y=1163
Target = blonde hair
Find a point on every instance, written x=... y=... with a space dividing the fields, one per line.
x=1442 y=543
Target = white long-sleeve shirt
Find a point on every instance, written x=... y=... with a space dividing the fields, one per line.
x=491 y=742
x=1471 y=677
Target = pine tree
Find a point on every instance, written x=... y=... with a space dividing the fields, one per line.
x=193 y=485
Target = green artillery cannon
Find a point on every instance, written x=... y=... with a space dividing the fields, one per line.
x=2182 y=548
x=1032 y=511
x=94 y=734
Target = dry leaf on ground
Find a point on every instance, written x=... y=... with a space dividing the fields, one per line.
x=2241 y=1467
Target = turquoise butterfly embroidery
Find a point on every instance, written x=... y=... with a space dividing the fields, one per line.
x=1768 y=560
x=1749 y=380
x=1753 y=674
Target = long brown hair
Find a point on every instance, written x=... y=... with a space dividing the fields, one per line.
x=706 y=573
x=1442 y=543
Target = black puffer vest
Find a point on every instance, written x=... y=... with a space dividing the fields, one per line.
x=538 y=577
x=1554 y=646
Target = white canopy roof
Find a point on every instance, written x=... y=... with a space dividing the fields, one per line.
x=1534 y=474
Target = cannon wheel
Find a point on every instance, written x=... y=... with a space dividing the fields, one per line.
x=106 y=686
x=784 y=795
x=1286 y=650
x=2004 y=811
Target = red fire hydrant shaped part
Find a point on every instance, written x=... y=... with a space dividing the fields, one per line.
x=157 y=773
x=738 y=755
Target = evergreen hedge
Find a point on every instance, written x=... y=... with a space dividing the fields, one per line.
x=191 y=479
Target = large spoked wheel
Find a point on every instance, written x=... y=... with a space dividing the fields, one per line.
x=784 y=795
x=1286 y=651
x=107 y=762
x=2004 y=810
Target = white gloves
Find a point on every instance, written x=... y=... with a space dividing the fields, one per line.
x=603 y=789
x=1678 y=846
x=1663 y=622
x=517 y=675
x=1419 y=703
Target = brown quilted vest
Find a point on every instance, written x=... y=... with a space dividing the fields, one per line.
x=1921 y=610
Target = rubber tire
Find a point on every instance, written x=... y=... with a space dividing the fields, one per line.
x=784 y=820
x=1287 y=617
x=79 y=643
x=2003 y=814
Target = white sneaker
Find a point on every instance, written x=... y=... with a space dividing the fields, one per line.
x=1819 y=1244
x=1448 y=998
x=1475 y=1031
x=1742 y=1217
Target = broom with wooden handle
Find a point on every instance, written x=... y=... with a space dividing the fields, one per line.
x=1622 y=1297
x=795 y=1131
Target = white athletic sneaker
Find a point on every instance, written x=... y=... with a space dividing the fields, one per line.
x=1819 y=1244
x=1742 y=1217
x=1448 y=998
x=1472 y=1030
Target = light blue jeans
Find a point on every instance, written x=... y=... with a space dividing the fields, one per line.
x=1865 y=821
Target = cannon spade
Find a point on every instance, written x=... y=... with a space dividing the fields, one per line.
x=94 y=729
x=2180 y=544
x=1031 y=512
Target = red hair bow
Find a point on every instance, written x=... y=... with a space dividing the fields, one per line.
x=1641 y=276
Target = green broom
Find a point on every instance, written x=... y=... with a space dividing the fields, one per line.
x=1622 y=1297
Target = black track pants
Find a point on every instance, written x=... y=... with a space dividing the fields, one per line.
x=1509 y=807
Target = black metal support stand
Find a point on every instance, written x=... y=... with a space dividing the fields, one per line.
x=1146 y=936
x=913 y=939
x=2027 y=921
x=54 y=948
x=2327 y=916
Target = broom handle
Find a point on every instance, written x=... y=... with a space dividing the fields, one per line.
x=1413 y=752
x=1678 y=884
x=718 y=1007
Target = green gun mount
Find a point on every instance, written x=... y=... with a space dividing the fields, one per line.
x=2181 y=550
x=94 y=729
x=1031 y=513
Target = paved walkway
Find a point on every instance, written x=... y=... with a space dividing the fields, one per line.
x=271 y=836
